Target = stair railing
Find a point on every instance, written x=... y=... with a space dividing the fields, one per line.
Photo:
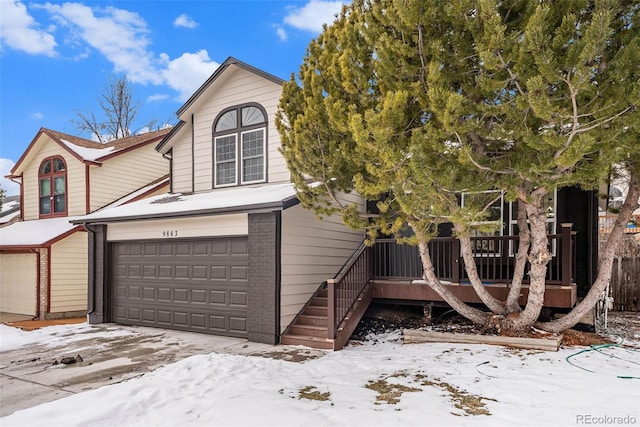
x=346 y=287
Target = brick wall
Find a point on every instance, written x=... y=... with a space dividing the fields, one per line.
x=264 y=240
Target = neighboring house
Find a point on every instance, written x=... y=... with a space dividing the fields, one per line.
x=10 y=211
x=230 y=251
x=43 y=257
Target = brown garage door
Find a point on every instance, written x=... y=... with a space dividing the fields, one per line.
x=194 y=285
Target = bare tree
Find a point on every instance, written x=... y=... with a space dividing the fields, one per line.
x=119 y=109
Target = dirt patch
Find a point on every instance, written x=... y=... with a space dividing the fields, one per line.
x=381 y=318
x=31 y=325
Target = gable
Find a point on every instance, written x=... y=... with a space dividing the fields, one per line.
x=233 y=85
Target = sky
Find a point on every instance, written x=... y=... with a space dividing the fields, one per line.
x=56 y=57
x=381 y=382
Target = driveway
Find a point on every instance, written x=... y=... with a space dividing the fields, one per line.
x=106 y=354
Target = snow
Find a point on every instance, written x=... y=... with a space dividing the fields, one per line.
x=7 y=218
x=518 y=387
x=220 y=199
x=7 y=206
x=34 y=233
x=85 y=153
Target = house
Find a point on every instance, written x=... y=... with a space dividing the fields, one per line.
x=230 y=251
x=43 y=257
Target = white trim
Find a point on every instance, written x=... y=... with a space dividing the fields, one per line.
x=240 y=149
x=215 y=161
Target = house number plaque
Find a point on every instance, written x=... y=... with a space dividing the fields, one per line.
x=170 y=233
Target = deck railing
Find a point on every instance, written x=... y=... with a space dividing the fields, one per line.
x=494 y=256
x=344 y=290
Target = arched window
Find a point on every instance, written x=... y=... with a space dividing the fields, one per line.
x=52 y=184
x=239 y=146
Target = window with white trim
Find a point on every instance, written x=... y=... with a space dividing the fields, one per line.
x=550 y=205
x=493 y=203
x=239 y=146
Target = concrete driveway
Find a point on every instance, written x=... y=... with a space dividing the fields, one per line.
x=109 y=353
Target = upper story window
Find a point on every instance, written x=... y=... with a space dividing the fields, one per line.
x=52 y=184
x=239 y=146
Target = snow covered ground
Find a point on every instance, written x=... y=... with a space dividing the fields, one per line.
x=379 y=383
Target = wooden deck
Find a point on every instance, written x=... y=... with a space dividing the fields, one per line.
x=555 y=296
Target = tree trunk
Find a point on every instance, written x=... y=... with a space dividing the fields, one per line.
x=539 y=257
x=487 y=299
x=429 y=276
x=524 y=242
x=605 y=261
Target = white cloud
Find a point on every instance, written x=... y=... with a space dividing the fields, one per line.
x=281 y=33
x=37 y=115
x=185 y=21
x=5 y=169
x=121 y=36
x=311 y=16
x=19 y=31
x=187 y=73
x=157 y=97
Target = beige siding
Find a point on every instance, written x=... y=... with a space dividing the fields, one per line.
x=223 y=225
x=239 y=87
x=69 y=274
x=18 y=283
x=76 y=187
x=182 y=162
x=312 y=252
x=122 y=174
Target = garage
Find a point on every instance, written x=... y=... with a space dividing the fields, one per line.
x=18 y=283
x=195 y=285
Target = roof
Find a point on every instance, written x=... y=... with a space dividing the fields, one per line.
x=91 y=151
x=36 y=233
x=216 y=202
x=230 y=61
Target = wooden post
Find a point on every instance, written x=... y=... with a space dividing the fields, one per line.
x=331 y=309
x=567 y=257
x=455 y=261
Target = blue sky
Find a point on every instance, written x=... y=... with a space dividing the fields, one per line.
x=56 y=57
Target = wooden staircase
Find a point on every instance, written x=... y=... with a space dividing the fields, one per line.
x=310 y=327
x=335 y=309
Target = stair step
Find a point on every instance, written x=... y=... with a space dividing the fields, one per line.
x=313 y=342
x=305 y=319
x=309 y=330
x=319 y=301
x=322 y=293
x=312 y=310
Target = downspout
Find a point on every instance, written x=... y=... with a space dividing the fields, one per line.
x=38 y=293
x=91 y=300
x=169 y=156
x=193 y=156
x=87 y=189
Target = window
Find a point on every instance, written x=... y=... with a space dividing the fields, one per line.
x=550 y=205
x=491 y=226
x=239 y=146
x=52 y=183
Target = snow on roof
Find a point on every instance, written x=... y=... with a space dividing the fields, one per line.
x=7 y=206
x=139 y=192
x=177 y=204
x=34 y=233
x=8 y=217
x=85 y=153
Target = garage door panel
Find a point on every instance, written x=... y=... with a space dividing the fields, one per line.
x=198 y=285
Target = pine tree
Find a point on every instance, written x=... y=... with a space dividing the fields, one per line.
x=411 y=103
